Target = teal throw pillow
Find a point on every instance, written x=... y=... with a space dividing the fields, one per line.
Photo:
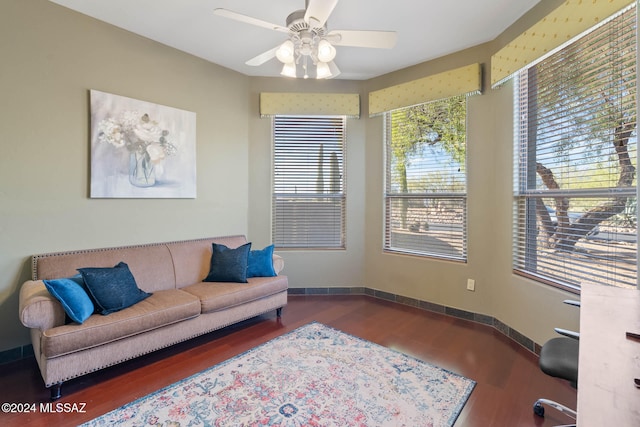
x=228 y=265
x=261 y=263
x=73 y=297
x=113 y=288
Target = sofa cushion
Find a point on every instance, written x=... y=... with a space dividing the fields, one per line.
x=228 y=265
x=220 y=296
x=161 y=308
x=112 y=288
x=260 y=263
x=73 y=297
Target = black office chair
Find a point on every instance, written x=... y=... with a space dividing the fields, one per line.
x=559 y=358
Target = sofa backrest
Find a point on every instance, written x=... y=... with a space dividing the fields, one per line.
x=192 y=258
x=155 y=266
x=150 y=264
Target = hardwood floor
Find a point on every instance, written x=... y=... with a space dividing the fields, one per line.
x=507 y=375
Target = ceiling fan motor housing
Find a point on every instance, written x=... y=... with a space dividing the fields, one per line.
x=296 y=24
x=304 y=36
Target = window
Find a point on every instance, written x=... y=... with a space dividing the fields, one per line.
x=308 y=182
x=425 y=186
x=576 y=157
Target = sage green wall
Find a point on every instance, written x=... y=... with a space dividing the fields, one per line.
x=51 y=57
x=530 y=308
x=527 y=306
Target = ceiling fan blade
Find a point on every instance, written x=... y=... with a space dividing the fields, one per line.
x=373 y=39
x=263 y=57
x=249 y=20
x=318 y=12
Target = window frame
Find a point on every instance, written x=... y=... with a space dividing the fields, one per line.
x=533 y=220
x=278 y=232
x=389 y=196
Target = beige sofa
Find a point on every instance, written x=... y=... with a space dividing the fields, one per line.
x=181 y=306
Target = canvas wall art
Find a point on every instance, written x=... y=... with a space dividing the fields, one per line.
x=140 y=149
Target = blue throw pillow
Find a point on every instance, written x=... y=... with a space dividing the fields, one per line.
x=229 y=265
x=71 y=294
x=261 y=263
x=113 y=289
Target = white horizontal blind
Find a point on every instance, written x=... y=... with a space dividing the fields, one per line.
x=425 y=186
x=576 y=206
x=308 y=182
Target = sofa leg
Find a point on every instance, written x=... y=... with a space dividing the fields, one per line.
x=55 y=391
x=279 y=312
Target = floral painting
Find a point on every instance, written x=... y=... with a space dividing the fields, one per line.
x=140 y=149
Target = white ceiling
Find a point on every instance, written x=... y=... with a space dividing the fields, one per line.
x=427 y=29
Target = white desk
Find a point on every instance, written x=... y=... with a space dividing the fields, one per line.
x=609 y=361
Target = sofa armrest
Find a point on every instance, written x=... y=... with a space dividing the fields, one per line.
x=38 y=308
x=278 y=263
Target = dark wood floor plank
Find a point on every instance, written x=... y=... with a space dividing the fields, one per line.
x=507 y=375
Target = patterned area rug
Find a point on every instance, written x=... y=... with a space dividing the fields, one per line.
x=312 y=376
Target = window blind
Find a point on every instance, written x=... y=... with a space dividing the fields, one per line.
x=308 y=182
x=575 y=215
x=425 y=185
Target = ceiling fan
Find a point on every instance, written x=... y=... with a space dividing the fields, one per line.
x=309 y=43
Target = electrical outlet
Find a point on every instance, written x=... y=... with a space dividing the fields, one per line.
x=471 y=285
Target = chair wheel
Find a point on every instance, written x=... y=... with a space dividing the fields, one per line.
x=538 y=409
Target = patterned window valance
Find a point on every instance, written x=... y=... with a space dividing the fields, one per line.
x=566 y=22
x=460 y=81
x=310 y=104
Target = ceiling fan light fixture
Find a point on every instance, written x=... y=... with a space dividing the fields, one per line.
x=322 y=70
x=289 y=70
x=286 y=52
x=326 y=52
x=335 y=71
